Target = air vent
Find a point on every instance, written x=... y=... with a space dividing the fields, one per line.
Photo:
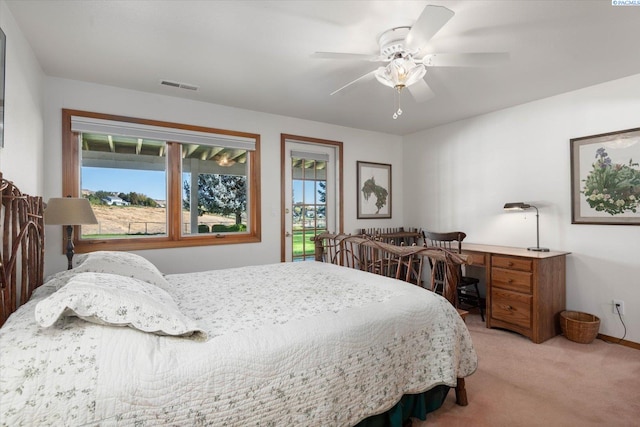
x=178 y=85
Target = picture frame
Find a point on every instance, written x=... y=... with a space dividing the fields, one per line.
x=3 y=55
x=605 y=178
x=374 y=190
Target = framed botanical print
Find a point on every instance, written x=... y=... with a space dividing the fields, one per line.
x=374 y=190
x=605 y=178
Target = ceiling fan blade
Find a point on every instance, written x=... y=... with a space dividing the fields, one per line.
x=354 y=56
x=428 y=24
x=367 y=76
x=421 y=91
x=465 y=59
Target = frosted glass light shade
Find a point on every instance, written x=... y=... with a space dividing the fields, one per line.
x=400 y=72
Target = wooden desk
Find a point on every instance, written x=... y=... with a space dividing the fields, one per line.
x=526 y=290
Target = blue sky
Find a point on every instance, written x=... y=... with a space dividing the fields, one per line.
x=150 y=183
x=309 y=188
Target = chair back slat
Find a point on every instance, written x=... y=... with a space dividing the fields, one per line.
x=451 y=241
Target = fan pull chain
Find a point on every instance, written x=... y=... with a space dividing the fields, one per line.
x=398 y=111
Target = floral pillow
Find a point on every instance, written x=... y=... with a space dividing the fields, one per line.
x=120 y=263
x=109 y=299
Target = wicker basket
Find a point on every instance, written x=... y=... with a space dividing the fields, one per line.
x=579 y=327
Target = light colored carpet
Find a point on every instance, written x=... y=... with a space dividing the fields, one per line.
x=556 y=383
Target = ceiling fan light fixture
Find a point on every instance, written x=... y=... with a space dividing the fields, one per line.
x=401 y=72
x=400 y=49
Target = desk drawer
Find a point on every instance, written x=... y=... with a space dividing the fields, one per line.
x=475 y=258
x=511 y=307
x=519 y=281
x=512 y=263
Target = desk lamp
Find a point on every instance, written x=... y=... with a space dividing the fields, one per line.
x=519 y=206
x=69 y=211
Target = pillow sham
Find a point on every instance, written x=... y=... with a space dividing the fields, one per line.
x=114 y=300
x=121 y=263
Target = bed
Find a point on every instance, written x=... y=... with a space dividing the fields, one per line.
x=116 y=342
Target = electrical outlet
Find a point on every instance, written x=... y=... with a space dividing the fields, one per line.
x=618 y=305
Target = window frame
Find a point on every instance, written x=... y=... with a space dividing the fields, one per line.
x=71 y=187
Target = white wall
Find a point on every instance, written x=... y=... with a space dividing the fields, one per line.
x=21 y=159
x=358 y=145
x=458 y=176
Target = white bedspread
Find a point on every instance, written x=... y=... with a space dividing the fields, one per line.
x=307 y=344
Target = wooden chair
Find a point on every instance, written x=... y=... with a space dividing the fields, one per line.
x=467 y=287
x=398 y=236
x=339 y=249
x=363 y=253
x=398 y=262
x=394 y=236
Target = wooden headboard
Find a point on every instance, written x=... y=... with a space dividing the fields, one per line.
x=22 y=251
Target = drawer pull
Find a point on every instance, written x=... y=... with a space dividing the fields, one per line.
x=507 y=307
x=510 y=281
x=510 y=264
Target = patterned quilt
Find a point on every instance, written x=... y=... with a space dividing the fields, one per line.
x=309 y=344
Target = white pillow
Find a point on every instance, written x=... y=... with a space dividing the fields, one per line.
x=109 y=299
x=121 y=263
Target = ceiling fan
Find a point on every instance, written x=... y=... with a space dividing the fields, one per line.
x=400 y=47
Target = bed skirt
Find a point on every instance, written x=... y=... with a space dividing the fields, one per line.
x=410 y=406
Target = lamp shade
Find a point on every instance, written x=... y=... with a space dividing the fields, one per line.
x=69 y=211
x=521 y=206
x=516 y=206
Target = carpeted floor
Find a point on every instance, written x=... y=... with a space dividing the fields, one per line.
x=556 y=383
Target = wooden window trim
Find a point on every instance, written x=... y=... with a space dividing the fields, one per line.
x=173 y=239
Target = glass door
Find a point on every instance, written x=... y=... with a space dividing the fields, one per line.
x=311 y=197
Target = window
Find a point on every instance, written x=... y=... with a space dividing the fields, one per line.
x=156 y=184
x=214 y=182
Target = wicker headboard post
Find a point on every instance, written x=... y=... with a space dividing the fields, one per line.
x=22 y=251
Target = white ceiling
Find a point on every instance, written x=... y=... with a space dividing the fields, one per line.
x=256 y=55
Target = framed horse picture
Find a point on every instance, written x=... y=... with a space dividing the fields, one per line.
x=374 y=190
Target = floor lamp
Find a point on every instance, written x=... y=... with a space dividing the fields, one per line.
x=519 y=206
x=69 y=211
